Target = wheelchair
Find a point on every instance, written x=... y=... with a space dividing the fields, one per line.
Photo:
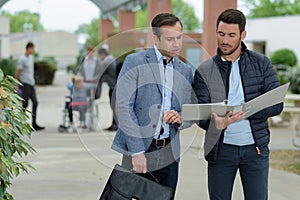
x=68 y=115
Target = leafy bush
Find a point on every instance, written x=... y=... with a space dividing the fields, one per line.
x=13 y=127
x=8 y=66
x=285 y=57
x=72 y=68
x=283 y=60
x=293 y=76
x=44 y=72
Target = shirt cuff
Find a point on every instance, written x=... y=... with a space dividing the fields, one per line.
x=138 y=153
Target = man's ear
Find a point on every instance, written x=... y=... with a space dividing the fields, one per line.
x=155 y=39
x=243 y=36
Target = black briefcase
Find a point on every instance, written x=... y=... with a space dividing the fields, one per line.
x=123 y=185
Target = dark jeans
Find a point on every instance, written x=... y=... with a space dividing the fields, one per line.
x=28 y=92
x=253 y=169
x=110 y=93
x=161 y=164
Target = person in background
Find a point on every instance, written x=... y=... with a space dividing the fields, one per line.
x=232 y=143
x=25 y=74
x=79 y=97
x=109 y=66
x=90 y=67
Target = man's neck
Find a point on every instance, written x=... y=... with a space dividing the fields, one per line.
x=27 y=54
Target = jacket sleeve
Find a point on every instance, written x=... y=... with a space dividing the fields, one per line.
x=270 y=82
x=201 y=93
x=126 y=95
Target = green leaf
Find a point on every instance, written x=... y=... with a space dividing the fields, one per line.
x=1 y=75
x=16 y=171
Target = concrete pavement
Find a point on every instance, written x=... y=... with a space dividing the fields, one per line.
x=77 y=165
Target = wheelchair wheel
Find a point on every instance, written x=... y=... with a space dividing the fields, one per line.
x=61 y=129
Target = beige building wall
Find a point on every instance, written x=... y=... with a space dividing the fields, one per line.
x=273 y=33
x=4 y=38
x=63 y=46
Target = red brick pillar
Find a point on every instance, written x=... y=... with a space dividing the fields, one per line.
x=126 y=20
x=155 y=7
x=106 y=28
x=212 y=9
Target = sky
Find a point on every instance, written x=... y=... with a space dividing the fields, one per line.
x=66 y=16
x=63 y=15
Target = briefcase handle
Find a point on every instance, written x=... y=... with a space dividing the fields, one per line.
x=155 y=179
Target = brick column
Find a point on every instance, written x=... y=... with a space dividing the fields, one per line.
x=212 y=9
x=155 y=7
x=126 y=20
x=106 y=28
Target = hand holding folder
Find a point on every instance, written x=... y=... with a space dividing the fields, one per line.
x=204 y=111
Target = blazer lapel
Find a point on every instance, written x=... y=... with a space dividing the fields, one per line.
x=176 y=80
x=153 y=64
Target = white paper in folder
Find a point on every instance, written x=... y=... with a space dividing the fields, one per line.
x=203 y=111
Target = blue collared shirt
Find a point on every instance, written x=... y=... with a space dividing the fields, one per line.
x=166 y=74
x=238 y=133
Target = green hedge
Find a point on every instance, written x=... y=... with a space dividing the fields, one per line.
x=283 y=60
x=44 y=72
x=284 y=57
x=8 y=66
x=293 y=76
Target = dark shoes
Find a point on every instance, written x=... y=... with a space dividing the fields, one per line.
x=112 y=128
x=37 y=127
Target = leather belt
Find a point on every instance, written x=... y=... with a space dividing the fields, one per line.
x=160 y=142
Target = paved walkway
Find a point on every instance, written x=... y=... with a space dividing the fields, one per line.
x=71 y=166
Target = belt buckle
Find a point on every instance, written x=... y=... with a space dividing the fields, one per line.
x=157 y=142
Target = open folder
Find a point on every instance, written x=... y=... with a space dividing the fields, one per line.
x=203 y=111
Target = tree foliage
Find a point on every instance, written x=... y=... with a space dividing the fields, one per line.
x=18 y=19
x=141 y=18
x=182 y=10
x=269 y=8
x=186 y=14
x=91 y=30
x=13 y=127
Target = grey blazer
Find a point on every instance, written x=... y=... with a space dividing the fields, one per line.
x=139 y=100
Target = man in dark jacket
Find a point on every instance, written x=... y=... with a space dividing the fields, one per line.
x=232 y=143
x=109 y=67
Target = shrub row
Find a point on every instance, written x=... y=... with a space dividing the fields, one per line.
x=44 y=70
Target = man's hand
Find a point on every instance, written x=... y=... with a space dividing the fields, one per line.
x=172 y=117
x=223 y=122
x=139 y=163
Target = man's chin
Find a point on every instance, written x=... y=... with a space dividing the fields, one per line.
x=226 y=52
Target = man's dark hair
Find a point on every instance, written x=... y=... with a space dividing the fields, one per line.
x=163 y=19
x=233 y=16
x=103 y=51
x=29 y=45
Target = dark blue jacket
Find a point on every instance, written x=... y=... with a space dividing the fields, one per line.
x=258 y=77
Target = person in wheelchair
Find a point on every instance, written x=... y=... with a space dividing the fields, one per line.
x=80 y=98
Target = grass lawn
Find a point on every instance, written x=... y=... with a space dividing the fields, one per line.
x=287 y=160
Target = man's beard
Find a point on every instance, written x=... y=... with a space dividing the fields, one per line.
x=230 y=52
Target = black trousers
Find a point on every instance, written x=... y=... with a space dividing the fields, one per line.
x=111 y=91
x=28 y=92
x=161 y=164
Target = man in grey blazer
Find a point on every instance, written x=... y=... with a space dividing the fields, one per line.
x=151 y=88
